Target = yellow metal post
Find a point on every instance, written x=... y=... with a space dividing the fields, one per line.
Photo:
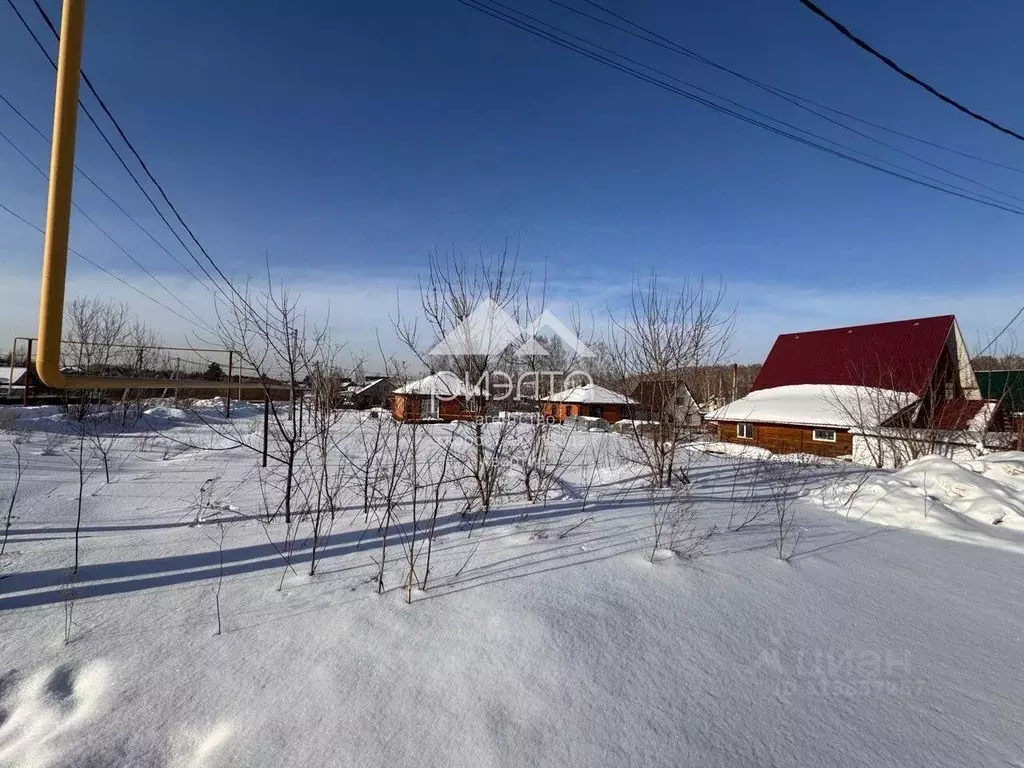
x=58 y=222
x=58 y=199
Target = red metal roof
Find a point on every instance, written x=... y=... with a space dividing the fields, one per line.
x=900 y=356
x=957 y=414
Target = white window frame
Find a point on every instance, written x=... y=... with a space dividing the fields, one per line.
x=815 y=438
x=740 y=430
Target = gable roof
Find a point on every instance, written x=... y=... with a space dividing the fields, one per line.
x=369 y=384
x=9 y=377
x=443 y=384
x=897 y=356
x=1007 y=386
x=961 y=413
x=655 y=394
x=590 y=394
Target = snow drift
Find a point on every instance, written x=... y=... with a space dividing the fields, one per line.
x=980 y=500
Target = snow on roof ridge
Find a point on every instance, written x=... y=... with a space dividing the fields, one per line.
x=817 y=405
x=440 y=384
x=592 y=394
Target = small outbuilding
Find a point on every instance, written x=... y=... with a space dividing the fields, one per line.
x=588 y=400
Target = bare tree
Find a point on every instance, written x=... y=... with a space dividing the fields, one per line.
x=785 y=479
x=675 y=518
x=81 y=461
x=472 y=312
x=16 y=439
x=666 y=336
x=268 y=331
x=440 y=483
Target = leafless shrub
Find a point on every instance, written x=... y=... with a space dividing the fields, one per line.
x=675 y=519
x=785 y=480
x=81 y=461
x=53 y=444
x=455 y=287
x=267 y=330
x=19 y=469
x=218 y=540
x=753 y=510
x=427 y=478
x=665 y=338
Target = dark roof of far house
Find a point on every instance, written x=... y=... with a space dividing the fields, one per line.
x=655 y=394
x=898 y=355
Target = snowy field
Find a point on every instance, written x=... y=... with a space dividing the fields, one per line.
x=554 y=634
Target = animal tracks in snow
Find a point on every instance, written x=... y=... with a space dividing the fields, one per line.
x=41 y=712
x=44 y=717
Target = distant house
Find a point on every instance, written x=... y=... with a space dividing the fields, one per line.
x=437 y=397
x=665 y=397
x=588 y=400
x=819 y=390
x=1005 y=386
x=372 y=393
x=12 y=377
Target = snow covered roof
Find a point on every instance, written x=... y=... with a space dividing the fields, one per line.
x=590 y=394
x=817 y=405
x=441 y=384
x=7 y=377
x=367 y=385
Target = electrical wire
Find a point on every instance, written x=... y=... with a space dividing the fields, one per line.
x=859 y=42
x=138 y=157
x=554 y=38
x=843 y=153
x=205 y=325
x=107 y=195
x=117 y=154
x=813 y=135
x=648 y=35
x=102 y=269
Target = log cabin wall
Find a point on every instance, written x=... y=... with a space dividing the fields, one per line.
x=788 y=438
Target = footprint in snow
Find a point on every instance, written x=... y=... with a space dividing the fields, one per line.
x=41 y=715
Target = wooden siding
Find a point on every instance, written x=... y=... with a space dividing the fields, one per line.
x=561 y=411
x=412 y=407
x=788 y=438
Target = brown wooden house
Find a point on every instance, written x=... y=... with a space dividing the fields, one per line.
x=438 y=397
x=818 y=390
x=588 y=401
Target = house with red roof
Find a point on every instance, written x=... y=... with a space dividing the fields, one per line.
x=818 y=392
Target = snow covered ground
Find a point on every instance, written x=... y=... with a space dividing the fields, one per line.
x=546 y=637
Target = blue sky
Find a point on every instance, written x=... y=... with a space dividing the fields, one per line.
x=347 y=140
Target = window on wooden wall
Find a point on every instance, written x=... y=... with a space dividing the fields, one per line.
x=950 y=390
x=824 y=435
x=746 y=431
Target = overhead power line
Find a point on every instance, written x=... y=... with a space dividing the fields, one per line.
x=555 y=38
x=559 y=37
x=99 y=188
x=908 y=75
x=117 y=154
x=650 y=36
x=102 y=269
x=138 y=157
x=109 y=237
